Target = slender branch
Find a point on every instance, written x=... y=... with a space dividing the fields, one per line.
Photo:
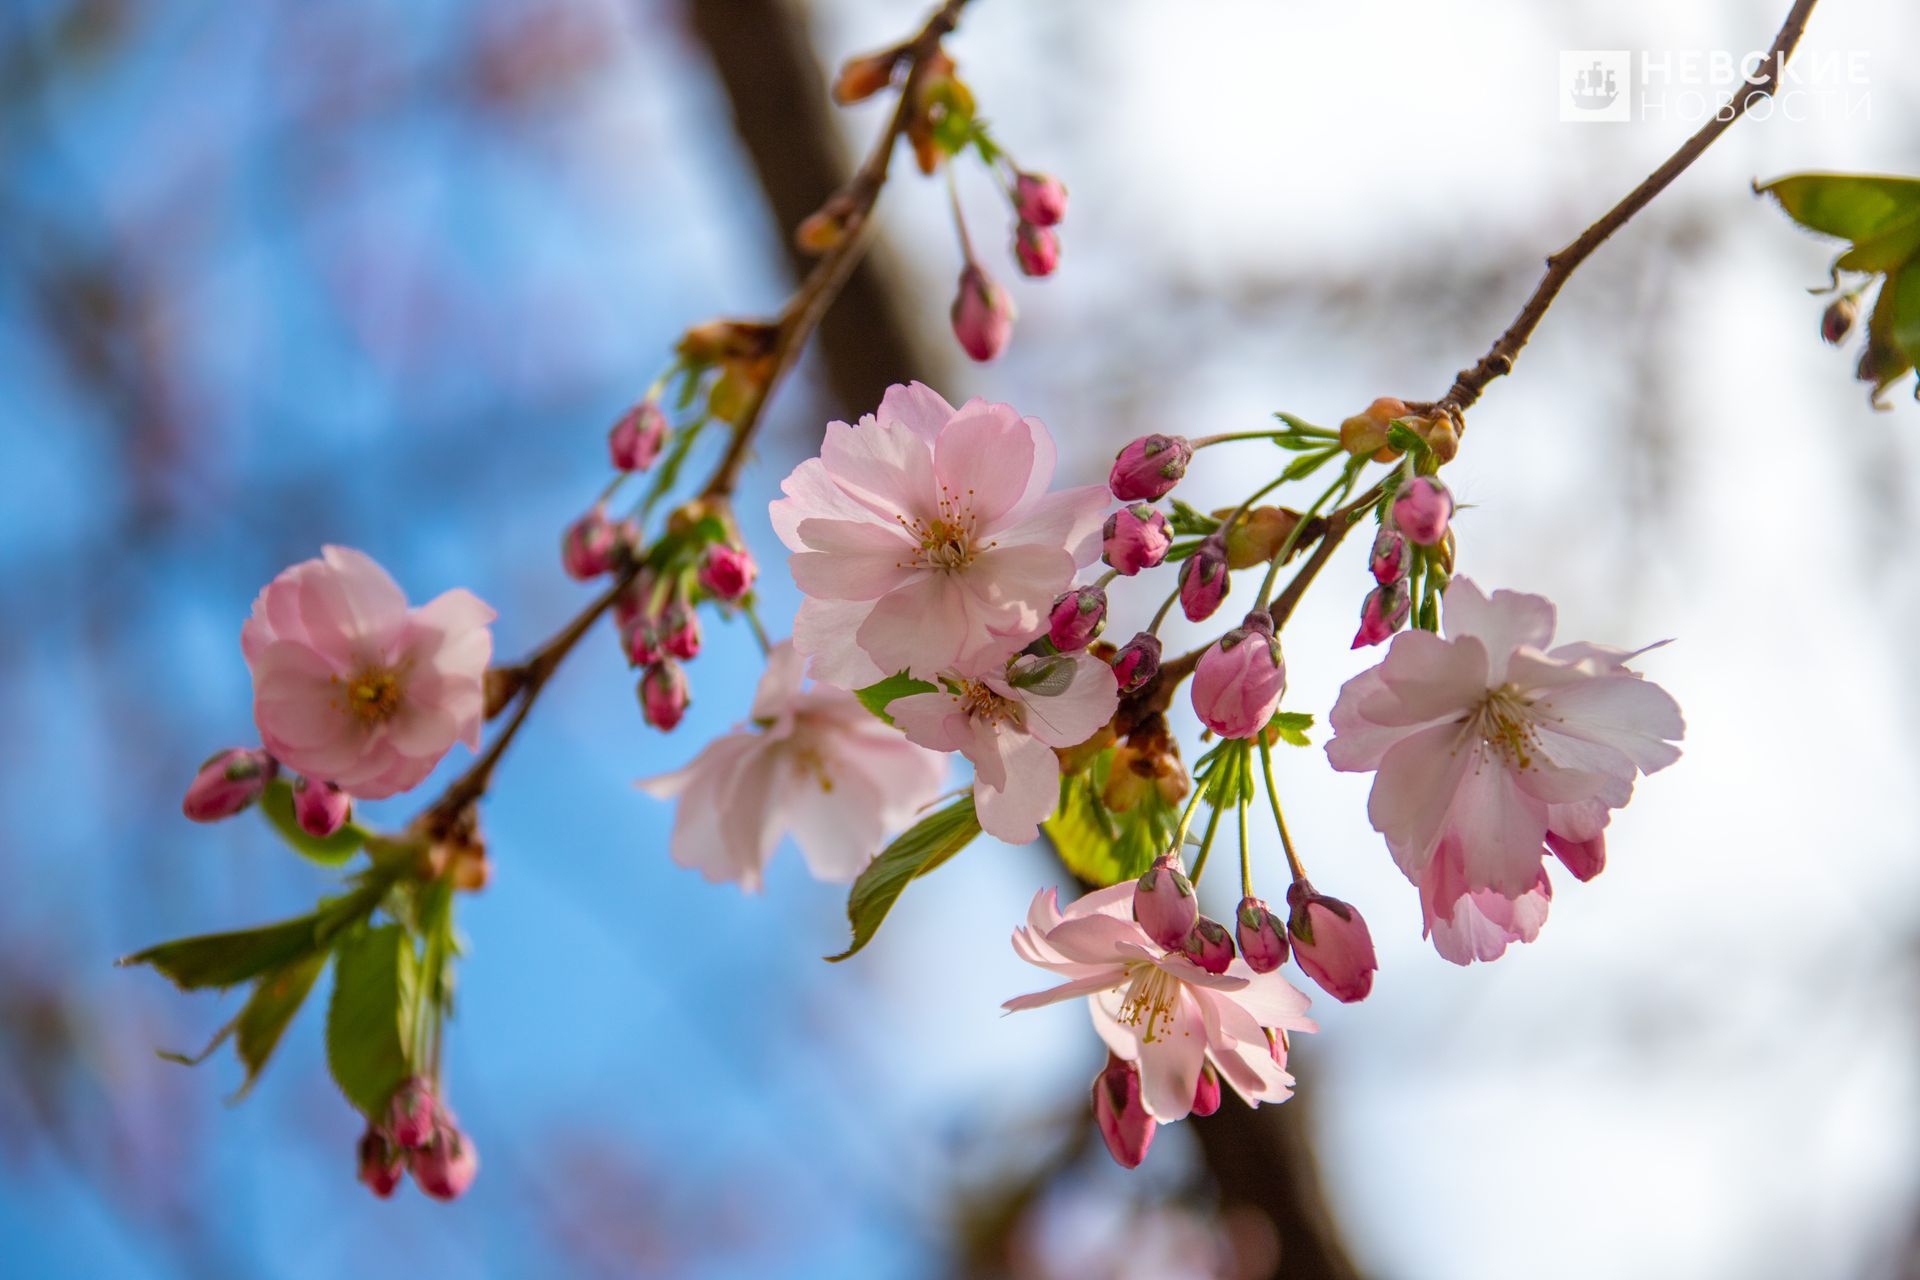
x=1498 y=362
x=798 y=319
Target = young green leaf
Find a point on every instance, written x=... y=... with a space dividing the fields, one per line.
x=1307 y=463
x=1406 y=439
x=1097 y=845
x=276 y=998
x=930 y=842
x=1854 y=207
x=277 y=804
x=876 y=697
x=1187 y=520
x=1291 y=726
x=369 y=1022
x=226 y=959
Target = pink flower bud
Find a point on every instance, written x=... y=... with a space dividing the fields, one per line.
x=411 y=1114
x=445 y=1167
x=1837 y=322
x=1209 y=945
x=1421 y=510
x=228 y=783
x=587 y=550
x=381 y=1163
x=1206 y=1091
x=1584 y=858
x=663 y=694
x=642 y=644
x=727 y=572
x=1148 y=468
x=1238 y=683
x=1163 y=902
x=1262 y=935
x=636 y=439
x=1135 y=538
x=982 y=314
x=679 y=631
x=1331 y=942
x=1039 y=199
x=1204 y=580
x=1037 y=249
x=1390 y=561
x=319 y=807
x=1076 y=618
x=1121 y=1113
x=632 y=604
x=1137 y=662
x=1382 y=613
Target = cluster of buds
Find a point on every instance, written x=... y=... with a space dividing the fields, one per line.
x=1415 y=524
x=659 y=625
x=983 y=312
x=233 y=779
x=418 y=1135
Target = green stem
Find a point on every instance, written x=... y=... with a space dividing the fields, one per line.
x=1206 y=847
x=1246 y=855
x=1279 y=820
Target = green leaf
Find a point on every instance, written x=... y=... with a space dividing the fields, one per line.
x=276 y=998
x=1099 y=846
x=1307 y=463
x=1405 y=439
x=226 y=959
x=877 y=696
x=1888 y=251
x=1291 y=726
x=1854 y=207
x=1300 y=444
x=1187 y=520
x=277 y=804
x=1903 y=322
x=370 y=1020
x=930 y=842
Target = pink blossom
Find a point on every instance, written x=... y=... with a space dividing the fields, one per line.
x=227 y=783
x=982 y=314
x=1489 y=738
x=813 y=764
x=1239 y=681
x=925 y=538
x=353 y=687
x=1040 y=199
x=1008 y=722
x=1476 y=924
x=1156 y=1008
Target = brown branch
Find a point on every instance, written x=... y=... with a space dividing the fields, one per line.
x=1498 y=362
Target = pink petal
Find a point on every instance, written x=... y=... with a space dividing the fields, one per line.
x=1624 y=712
x=1502 y=624
x=916 y=406
x=846 y=560
x=824 y=631
x=1069 y=718
x=1105 y=980
x=1030 y=791
x=982 y=461
x=1415 y=789
x=884 y=465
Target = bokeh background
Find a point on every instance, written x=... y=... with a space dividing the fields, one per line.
x=278 y=274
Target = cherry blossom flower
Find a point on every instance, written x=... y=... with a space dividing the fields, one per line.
x=352 y=687
x=1156 y=1008
x=1466 y=924
x=1492 y=740
x=1008 y=722
x=924 y=538
x=815 y=764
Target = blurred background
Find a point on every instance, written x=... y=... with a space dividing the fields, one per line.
x=279 y=274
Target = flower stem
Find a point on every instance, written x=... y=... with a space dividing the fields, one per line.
x=1226 y=437
x=1273 y=795
x=1246 y=854
x=1206 y=846
x=1186 y=821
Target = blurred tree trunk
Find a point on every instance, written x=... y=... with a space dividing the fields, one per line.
x=766 y=65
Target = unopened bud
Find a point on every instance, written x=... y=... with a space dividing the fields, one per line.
x=1121 y=1113
x=1240 y=679
x=1206 y=1091
x=663 y=694
x=1838 y=320
x=1135 y=538
x=1421 y=510
x=1137 y=662
x=1584 y=858
x=1262 y=936
x=1390 y=560
x=1256 y=537
x=411 y=1114
x=1076 y=618
x=1039 y=199
x=381 y=1163
x=1382 y=613
x=827 y=228
x=1036 y=249
x=636 y=439
x=982 y=314
x=1148 y=468
x=679 y=632
x=1331 y=942
x=1164 y=904
x=860 y=78
x=227 y=783
x=445 y=1167
x=1204 y=580
x=587 y=550
x=727 y=572
x=319 y=807
x=1209 y=945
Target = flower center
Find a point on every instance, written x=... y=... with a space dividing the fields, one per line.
x=947 y=540
x=1151 y=1002
x=373 y=695
x=1505 y=723
x=982 y=703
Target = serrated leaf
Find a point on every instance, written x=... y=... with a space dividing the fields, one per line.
x=1307 y=463
x=276 y=998
x=1291 y=726
x=1187 y=520
x=227 y=959
x=877 y=696
x=276 y=803
x=1854 y=207
x=1888 y=251
x=1096 y=845
x=1300 y=444
x=930 y=842
x=370 y=1019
